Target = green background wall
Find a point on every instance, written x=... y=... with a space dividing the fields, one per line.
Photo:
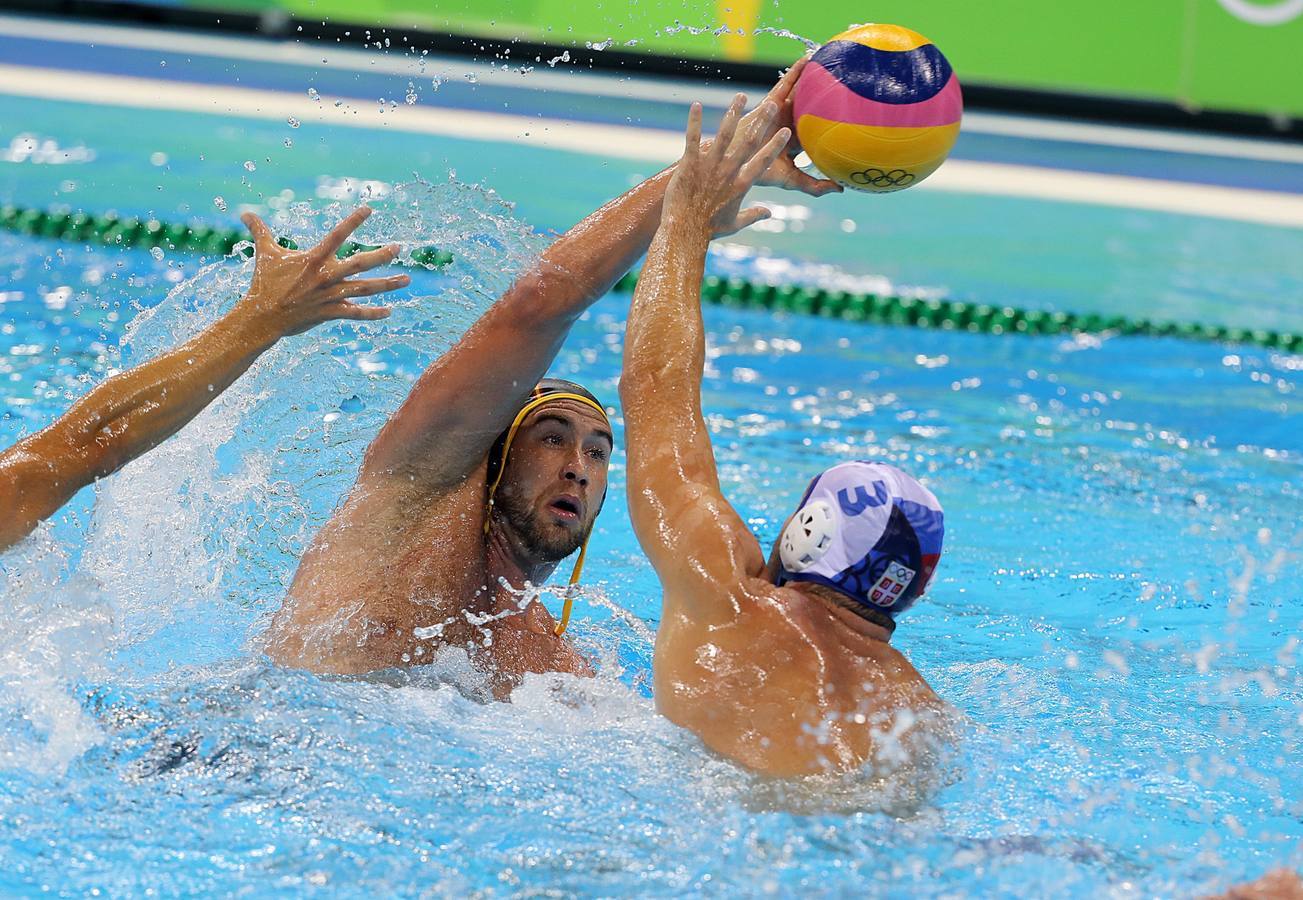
x=1205 y=54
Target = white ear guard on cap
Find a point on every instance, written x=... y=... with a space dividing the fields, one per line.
x=808 y=536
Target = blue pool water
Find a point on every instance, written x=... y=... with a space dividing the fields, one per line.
x=1117 y=615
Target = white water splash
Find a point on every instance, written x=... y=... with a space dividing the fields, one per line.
x=57 y=625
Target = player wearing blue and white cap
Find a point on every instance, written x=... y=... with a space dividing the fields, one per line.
x=785 y=665
x=869 y=532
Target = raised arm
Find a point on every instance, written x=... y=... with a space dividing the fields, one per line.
x=686 y=527
x=468 y=396
x=133 y=412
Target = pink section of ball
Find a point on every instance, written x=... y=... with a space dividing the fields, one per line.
x=819 y=93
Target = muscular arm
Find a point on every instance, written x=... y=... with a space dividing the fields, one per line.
x=131 y=413
x=684 y=524
x=468 y=396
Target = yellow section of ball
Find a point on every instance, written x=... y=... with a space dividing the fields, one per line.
x=884 y=37
x=875 y=158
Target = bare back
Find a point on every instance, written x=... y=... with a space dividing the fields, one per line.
x=783 y=686
x=770 y=677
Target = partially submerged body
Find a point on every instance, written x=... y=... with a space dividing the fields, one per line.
x=398 y=573
x=418 y=557
x=787 y=680
x=785 y=683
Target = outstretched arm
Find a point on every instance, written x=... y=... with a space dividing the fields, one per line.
x=135 y=411
x=686 y=527
x=468 y=396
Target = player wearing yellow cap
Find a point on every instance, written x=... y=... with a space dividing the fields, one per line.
x=485 y=478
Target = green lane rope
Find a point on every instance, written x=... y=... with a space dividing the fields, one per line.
x=132 y=232
x=955 y=315
x=737 y=293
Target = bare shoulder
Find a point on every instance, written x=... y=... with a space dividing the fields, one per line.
x=370 y=575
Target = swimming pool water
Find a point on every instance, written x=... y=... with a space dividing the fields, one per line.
x=1117 y=613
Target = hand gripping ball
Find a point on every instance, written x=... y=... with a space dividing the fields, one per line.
x=878 y=108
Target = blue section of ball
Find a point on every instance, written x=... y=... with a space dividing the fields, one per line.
x=887 y=76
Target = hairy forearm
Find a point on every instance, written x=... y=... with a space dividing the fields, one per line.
x=665 y=342
x=584 y=263
x=123 y=418
x=136 y=410
x=469 y=394
x=665 y=351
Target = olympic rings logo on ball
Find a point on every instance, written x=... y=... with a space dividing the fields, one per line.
x=880 y=179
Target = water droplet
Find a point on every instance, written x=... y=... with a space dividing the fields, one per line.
x=157 y=253
x=249 y=166
x=312 y=94
x=220 y=203
x=288 y=143
x=411 y=94
x=293 y=122
x=158 y=158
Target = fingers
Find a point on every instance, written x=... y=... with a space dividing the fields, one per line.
x=744 y=147
x=692 y=140
x=368 y=259
x=815 y=187
x=760 y=162
x=751 y=216
x=783 y=89
x=340 y=233
x=786 y=116
x=359 y=313
x=728 y=127
x=258 y=228
x=366 y=287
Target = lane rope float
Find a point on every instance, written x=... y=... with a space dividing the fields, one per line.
x=129 y=231
x=738 y=293
x=957 y=315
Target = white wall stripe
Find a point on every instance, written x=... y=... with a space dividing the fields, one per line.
x=542 y=78
x=653 y=145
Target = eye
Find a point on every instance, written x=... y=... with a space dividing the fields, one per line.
x=552 y=438
x=597 y=453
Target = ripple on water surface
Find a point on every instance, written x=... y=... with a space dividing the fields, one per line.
x=1116 y=617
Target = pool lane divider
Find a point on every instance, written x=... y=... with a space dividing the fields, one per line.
x=955 y=315
x=126 y=231
x=736 y=293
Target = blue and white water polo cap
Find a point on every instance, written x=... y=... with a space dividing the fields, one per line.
x=867 y=530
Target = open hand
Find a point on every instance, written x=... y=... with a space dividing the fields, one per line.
x=297 y=289
x=709 y=182
x=783 y=172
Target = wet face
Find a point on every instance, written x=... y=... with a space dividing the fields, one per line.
x=555 y=478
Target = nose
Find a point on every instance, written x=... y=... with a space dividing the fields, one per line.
x=576 y=471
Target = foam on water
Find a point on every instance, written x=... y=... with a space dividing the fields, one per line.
x=199 y=536
x=1115 y=616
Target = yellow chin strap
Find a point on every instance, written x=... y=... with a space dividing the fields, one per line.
x=525 y=410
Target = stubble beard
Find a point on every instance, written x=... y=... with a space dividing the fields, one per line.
x=547 y=544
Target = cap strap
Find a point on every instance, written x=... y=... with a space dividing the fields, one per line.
x=511 y=436
x=569 y=599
